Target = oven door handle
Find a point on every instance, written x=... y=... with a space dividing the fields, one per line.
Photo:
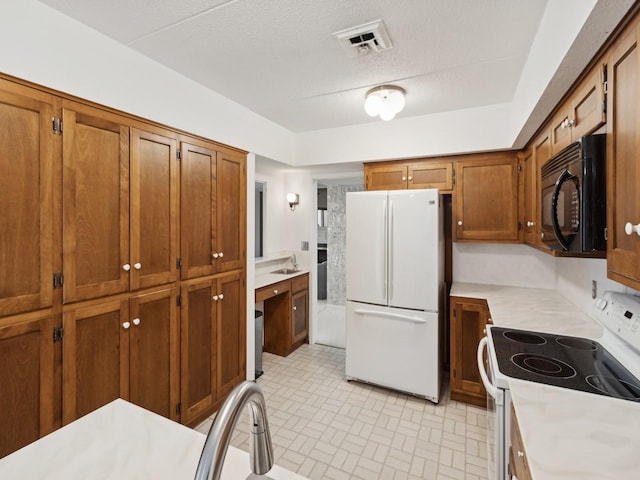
x=491 y=389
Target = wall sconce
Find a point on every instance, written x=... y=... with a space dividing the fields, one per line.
x=293 y=199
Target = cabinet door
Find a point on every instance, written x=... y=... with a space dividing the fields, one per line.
x=154 y=209
x=198 y=210
x=26 y=391
x=231 y=212
x=26 y=186
x=198 y=349
x=231 y=332
x=385 y=177
x=300 y=316
x=430 y=175
x=587 y=104
x=541 y=154
x=95 y=357
x=95 y=203
x=530 y=197
x=487 y=199
x=154 y=361
x=468 y=322
x=623 y=168
x=561 y=130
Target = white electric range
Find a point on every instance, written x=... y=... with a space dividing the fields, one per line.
x=610 y=366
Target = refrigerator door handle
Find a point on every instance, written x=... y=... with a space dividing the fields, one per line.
x=395 y=316
x=390 y=251
x=384 y=250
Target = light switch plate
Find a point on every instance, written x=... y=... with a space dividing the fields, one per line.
x=305 y=245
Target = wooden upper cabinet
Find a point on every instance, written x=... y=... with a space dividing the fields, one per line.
x=541 y=150
x=429 y=174
x=95 y=203
x=154 y=208
x=26 y=195
x=416 y=174
x=486 y=198
x=198 y=209
x=385 y=177
x=530 y=196
x=213 y=209
x=623 y=168
x=26 y=363
x=231 y=211
x=582 y=113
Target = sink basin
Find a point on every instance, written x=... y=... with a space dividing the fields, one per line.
x=286 y=271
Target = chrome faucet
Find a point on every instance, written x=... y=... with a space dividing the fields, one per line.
x=293 y=261
x=219 y=437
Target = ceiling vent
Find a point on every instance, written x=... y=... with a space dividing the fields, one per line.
x=364 y=39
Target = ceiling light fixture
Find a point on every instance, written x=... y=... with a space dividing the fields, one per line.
x=385 y=100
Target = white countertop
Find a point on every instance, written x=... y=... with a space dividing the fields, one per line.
x=566 y=434
x=573 y=435
x=531 y=309
x=264 y=279
x=122 y=441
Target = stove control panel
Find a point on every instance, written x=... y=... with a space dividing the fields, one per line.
x=620 y=313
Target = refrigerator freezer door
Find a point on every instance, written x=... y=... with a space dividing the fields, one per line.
x=366 y=247
x=414 y=263
x=394 y=348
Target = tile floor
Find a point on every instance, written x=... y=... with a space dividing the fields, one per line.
x=324 y=427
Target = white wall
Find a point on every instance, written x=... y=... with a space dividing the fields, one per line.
x=45 y=47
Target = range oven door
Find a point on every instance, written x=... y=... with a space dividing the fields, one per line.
x=497 y=417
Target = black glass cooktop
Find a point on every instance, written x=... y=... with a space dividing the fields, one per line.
x=569 y=362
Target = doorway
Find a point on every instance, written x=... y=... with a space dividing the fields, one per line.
x=332 y=275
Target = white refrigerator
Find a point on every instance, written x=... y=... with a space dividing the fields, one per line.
x=395 y=271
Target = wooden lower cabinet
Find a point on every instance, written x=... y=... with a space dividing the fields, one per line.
x=26 y=390
x=469 y=317
x=121 y=348
x=213 y=346
x=518 y=464
x=286 y=314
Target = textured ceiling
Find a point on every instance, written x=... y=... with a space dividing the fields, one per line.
x=280 y=59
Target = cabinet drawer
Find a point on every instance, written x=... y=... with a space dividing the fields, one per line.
x=300 y=282
x=518 y=465
x=272 y=290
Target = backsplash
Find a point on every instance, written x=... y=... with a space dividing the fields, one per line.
x=336 y=241
x=503 y=264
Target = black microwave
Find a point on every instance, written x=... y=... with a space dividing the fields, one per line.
x=573 y=197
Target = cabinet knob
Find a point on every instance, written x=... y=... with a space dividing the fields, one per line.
x=460 y=223
x=126 y=267
x=215 y=298
x=275 y=292
x=410 y=177
x=629 y=228
x=126 y=325
x=137 y=266
x=294 y=307
x=136 y=321
x=221 y=254
x=214 y=255
x=531 y=224
x=221 y=296
x=404 y=179
x=520 y=454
